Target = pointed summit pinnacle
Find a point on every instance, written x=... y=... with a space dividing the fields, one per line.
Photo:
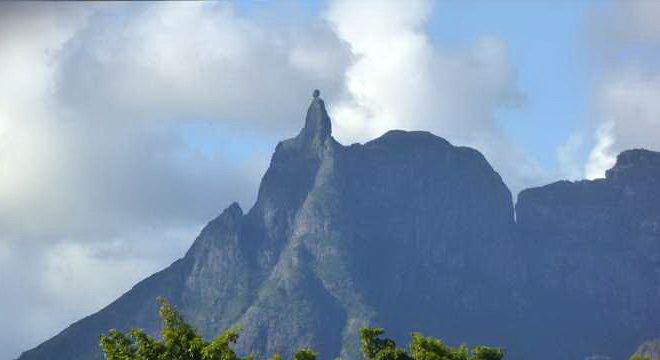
x=317 y=123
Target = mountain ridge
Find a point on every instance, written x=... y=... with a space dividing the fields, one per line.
x=344 y=236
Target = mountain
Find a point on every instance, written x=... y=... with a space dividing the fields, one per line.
x=411 y=233
x=594 y=247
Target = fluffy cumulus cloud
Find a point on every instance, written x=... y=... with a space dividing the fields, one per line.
x=200 y=61
x=400 y=79
x=627 y=97
x=628 y=105
x=125 y=127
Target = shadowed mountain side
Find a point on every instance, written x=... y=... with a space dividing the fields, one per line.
x=598 y=244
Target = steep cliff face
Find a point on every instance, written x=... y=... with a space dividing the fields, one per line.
x=339 y=237
x=594 y=247
x=411 y=233
x=375 y=226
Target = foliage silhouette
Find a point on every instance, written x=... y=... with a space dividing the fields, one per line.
x=180 y=341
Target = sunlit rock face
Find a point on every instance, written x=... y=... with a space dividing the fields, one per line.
x=410 y=233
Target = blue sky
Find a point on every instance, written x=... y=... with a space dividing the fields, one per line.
x=547 y=44
x=547 y=41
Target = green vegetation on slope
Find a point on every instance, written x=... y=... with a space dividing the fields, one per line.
x=649 y=350
x=180 y=341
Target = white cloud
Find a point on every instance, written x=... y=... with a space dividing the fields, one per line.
x=105 y=171
x=629 y=109
x=400 y=80
x=199 y=60
x=601 y=157
x=627 y=99
x=102 y=179
x=625 y=24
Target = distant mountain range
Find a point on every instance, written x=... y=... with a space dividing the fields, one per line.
x=411 y=233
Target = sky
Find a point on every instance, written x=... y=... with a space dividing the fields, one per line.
x=125 y=127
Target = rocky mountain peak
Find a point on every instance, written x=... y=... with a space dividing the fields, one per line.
x=635 y=164
x=231 y=216
x=317 y=122
x=234 y=210
x=410 y=232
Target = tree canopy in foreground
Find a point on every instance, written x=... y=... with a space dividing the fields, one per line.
x=180 y=341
